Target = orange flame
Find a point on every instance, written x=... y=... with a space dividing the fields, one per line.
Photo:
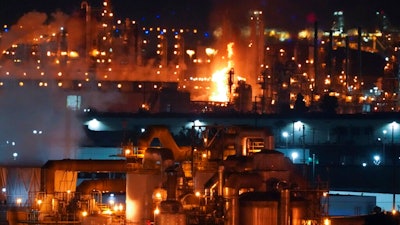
x=220 y=79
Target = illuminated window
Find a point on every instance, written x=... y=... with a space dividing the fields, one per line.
x=73 y=102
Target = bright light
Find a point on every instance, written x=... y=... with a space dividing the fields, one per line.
x=298 y=125
x=211 y=51
x=119 y=207
x=94 y=124
x=84 y=213
x=190 y=52
x=377 y=159
x=197 y=123
x=295 y=155
x=158 y=195
x=132 y=209
x=285 y=134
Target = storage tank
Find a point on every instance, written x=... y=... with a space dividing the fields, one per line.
x=258 y=208
x=139 y=191
x=273 y=208
x=298 y=211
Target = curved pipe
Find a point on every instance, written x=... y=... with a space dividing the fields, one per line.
x=165 y=137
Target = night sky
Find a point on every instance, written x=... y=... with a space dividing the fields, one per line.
x=285 y=14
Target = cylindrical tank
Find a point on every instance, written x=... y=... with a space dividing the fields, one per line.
x=258 y=208
x=139 y=202
x=273 y=208
x=231 y=206
x=298 y=211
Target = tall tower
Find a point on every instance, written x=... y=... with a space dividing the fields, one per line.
x=106 y=23
x=105 y=40
x=88 y=37
x=338 y=23
x=256 y=57
x=256 y=42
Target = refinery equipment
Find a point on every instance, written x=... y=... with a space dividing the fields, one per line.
x=228 y=175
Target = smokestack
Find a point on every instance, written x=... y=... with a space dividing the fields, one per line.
x=220 y=180
x=330 y=51
x=85 y=5
x=315 y=57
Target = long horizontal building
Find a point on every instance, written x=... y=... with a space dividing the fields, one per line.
x=328 y=144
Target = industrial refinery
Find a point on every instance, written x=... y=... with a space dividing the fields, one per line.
x=228 y=175
x=101 y=119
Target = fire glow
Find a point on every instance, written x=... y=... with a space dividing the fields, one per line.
x=220 y=79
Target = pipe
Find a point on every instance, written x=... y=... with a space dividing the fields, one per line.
x=220 y=180
x=166 y=140
x=284 y=207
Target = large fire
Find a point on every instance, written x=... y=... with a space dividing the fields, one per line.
x=220 y=78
